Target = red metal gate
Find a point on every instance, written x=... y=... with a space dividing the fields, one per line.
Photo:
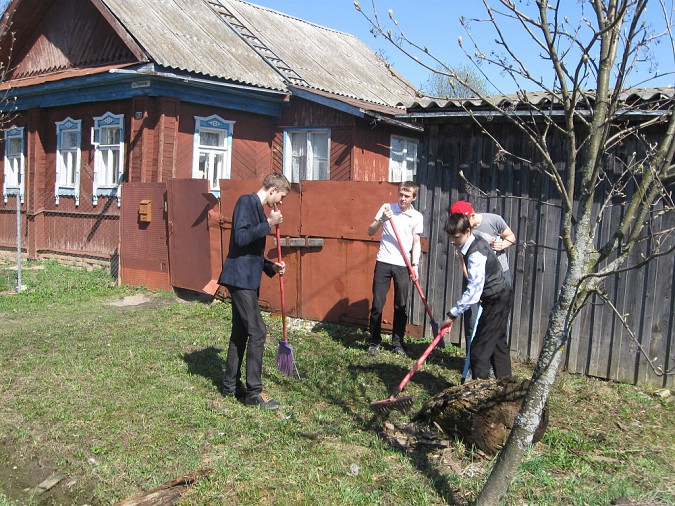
x=194 y=233
x=144 y=258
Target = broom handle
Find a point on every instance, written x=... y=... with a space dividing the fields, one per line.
x=281 y=282
x=421 y=360
x=410 y=269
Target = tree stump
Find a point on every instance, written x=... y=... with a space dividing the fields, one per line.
x=481 y=412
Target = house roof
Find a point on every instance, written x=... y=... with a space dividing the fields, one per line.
x=538 y=99
x=253 y=45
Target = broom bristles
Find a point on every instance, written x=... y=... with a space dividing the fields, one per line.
x=285 y=362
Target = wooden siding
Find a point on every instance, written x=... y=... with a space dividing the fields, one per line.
x=70 y=34
x=341 y=142
x=371 y=152
x=598 y=346
x=250 y=143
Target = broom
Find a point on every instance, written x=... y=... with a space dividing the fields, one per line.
x=405 y=403
x=285 y=361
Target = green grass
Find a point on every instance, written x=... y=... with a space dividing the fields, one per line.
x=122 y=399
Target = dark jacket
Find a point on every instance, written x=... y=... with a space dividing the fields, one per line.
x=246 y=260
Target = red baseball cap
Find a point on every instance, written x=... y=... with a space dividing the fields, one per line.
x=461 y=207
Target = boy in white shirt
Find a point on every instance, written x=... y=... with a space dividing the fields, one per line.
x=391 y=264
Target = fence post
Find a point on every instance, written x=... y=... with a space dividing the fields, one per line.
x=18 y=242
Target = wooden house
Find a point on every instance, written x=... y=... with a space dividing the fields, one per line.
x=105 y=92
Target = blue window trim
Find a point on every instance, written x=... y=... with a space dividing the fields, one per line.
x=66 y=191
x=108 y=119
x=213 y=122
x=15 y=131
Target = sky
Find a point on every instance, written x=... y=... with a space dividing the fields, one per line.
x=435 y=24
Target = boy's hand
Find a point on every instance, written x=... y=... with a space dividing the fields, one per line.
x=387 y=214
x=414 y=275
x=280 y=267
x=498 y=244
x=275 y=217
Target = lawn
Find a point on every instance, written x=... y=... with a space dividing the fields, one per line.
x=116 y=396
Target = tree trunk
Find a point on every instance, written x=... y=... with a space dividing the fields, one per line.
x=481 y=412
x=528 y=418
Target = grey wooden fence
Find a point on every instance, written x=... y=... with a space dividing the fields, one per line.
x=599 y=345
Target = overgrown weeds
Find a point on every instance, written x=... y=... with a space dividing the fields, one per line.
x=119 y=399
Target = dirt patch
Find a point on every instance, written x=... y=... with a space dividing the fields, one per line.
x=26 y=478
x=130 y=300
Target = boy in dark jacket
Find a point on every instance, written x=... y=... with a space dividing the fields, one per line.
x=241 y=274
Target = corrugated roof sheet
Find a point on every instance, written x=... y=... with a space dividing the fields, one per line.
x=188 y=35
x=539 y=99
x=328 y=60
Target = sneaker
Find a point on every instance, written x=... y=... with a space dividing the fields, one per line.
x=373 y=350
x=263 y=401
x=398 y=350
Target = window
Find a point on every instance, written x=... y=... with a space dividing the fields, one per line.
x=212 y=150
x=68 y=156
x=306 y=155
x=14 y=163
x=402 y=159
x=108 y=141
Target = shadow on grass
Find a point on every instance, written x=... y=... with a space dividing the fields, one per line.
x=208 y=363
x=390 y=370
x=357 y=338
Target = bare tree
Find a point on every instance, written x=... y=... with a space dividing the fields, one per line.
x=591 y=55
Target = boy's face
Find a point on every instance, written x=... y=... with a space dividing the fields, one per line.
x=405 y=198
x=459 y=240
x=276 y=197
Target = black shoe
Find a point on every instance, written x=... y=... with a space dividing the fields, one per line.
x=373 y=350
x=263 y=401
x=398 y=350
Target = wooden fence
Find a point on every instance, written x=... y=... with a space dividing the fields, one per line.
x=458 y=161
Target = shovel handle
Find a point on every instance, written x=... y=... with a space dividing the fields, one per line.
x=421 y=360
x=281 y=282
x=410 y=270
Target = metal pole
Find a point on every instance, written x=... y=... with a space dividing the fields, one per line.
x=18 y=241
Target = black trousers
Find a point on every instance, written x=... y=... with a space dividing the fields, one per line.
x=490 y=345
x=384 y=274
x=248 y=328
x=470 y=316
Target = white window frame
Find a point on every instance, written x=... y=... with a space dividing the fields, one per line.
x=400 y=162
x=214 y=172
x=71 y=189
x=14 y=180
x=102 y=153
x=310 y=170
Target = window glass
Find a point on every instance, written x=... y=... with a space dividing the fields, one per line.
x=212 y=157
x=307 y=155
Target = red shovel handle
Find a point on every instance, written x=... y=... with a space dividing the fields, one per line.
x=410 y=269
x=421 y=360
x=281 y=282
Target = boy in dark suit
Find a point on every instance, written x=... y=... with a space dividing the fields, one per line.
x=241 y=274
